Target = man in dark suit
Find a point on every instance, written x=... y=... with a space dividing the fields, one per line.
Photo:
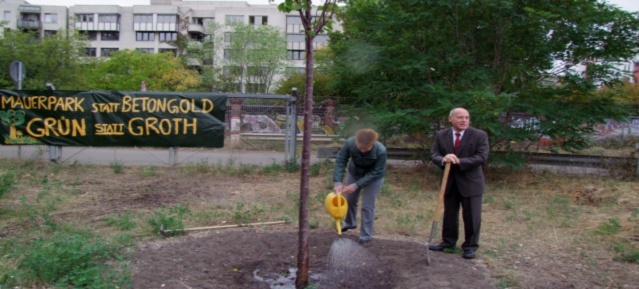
x=466 y=148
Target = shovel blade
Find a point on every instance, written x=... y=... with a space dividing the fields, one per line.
x=433 y=231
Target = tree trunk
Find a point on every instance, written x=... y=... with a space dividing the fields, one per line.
x=303 y=255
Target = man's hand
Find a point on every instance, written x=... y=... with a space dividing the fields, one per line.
x=451 y=158
x=338 y=188
x=350 y=188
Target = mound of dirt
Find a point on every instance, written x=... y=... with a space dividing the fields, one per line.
x=250 y=258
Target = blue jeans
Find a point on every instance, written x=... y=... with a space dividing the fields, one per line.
x=369 y=195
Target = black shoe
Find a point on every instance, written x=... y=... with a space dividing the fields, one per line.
x=440 y=247
x=364 y=243
x=469 y=254
x=346 y=228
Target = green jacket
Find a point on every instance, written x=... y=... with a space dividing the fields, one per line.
x=366 y=167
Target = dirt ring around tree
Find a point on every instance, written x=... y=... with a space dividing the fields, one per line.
x=254 y=258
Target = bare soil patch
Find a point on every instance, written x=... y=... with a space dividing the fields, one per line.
x=233 y=259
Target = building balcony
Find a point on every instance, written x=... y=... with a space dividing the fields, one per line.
x=29 y=24
x=196 y=28
x=90 y=26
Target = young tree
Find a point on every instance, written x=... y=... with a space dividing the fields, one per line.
x=57 y=59
x=253 y=55
x=494 y=57
x=314 y=21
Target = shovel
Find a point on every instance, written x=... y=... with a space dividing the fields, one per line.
x=438 y=209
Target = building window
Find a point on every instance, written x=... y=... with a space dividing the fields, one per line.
x=167 y=19
x=258 y=20
x=232 y=19
x=227 y=37
x=295 y=55
x=90 y=52
x=7 y=15
x=105 y=52
x=146 y=50
x=145 y=36
x=255 y=88
x=110 y=35
x=108 y=18
x=167 y=36
x=50 y=18
x=294 y=70
x=84 y=17
x=143 y=18
x=256 y=70
x=232 y=70
x=49 y=33
x=229 y=53
x=90 y=35
x=294 y=24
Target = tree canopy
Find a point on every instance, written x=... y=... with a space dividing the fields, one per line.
x=126 y=69
x=413 y=61
x=56 y=59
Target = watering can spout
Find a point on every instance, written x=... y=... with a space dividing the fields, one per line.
x=337 y=207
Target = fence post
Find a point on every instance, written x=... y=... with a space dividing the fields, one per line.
x=55 y=152
x=290 y=144
x=173 y=151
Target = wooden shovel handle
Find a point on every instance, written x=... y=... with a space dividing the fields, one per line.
x=442 y=190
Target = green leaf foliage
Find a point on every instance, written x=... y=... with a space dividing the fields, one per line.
x=56 y=59
x=126 y=69
x=537 y=63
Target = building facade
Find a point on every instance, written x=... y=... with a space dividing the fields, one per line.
x=151 y=28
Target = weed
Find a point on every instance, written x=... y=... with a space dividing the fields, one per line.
x=396 y=200
x=315 y=170
x=292 y=167
x=609 y=228
x=245 y=170
x=70 y=260
x=507 y=282
x=123 y=222
x=243 y=215
x=273 y=168
x=6 y=183
x=170 y=219
x=406 y=225
x=626 y=254
x=150 y=171
x=313 y=224
x=117 y=167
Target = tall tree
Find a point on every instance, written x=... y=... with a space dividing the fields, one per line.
x=314 y=21
x=415 y=60
x=57 y=58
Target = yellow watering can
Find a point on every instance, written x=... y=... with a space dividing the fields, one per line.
x=337 y=206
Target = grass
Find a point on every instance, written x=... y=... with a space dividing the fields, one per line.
x=85 y=217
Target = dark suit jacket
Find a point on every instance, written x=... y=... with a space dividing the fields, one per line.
x=472 y=153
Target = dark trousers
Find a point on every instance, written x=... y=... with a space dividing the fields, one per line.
x=471 y=214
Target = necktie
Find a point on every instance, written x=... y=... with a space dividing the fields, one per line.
x=457 y=139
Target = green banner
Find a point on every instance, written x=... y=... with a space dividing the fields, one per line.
x=112 y=118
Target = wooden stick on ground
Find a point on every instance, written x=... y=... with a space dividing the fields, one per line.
x=224 y=226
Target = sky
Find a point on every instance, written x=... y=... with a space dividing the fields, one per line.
x=628 y=5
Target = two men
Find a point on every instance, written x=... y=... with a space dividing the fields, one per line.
x=466 y=148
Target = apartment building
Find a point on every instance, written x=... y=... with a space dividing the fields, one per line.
x=150 y=28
